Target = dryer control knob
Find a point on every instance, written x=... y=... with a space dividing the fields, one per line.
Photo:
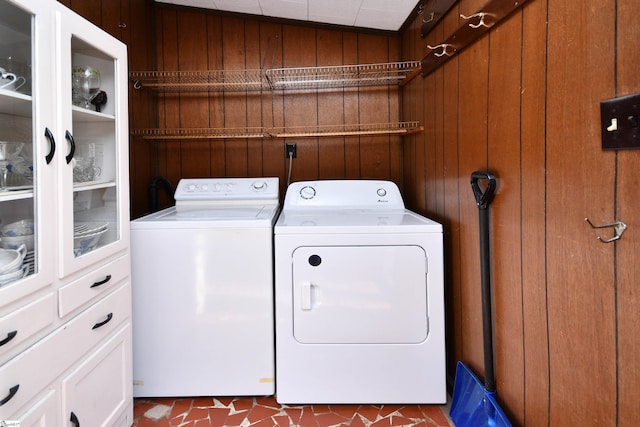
x=382 y=192
x=307 y=192
x=191 y=187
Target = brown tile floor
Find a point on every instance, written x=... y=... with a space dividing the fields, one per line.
x=266 y=412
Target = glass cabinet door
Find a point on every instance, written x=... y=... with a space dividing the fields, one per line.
x=94 y=169
x=26 y=226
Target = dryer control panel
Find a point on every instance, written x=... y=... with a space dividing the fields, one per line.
x=343 y=194
x=215 y=189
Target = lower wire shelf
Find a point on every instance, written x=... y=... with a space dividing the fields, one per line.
x=397 y=128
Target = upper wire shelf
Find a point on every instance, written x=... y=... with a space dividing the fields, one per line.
x=392 y=73
x=398 y=128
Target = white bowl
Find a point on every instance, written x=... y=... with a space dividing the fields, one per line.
x=86 y=242
x=11 y=259
x=18 y=228
x=14 y=275
x=9 y=242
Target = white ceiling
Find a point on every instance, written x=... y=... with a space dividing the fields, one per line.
x=377 y=14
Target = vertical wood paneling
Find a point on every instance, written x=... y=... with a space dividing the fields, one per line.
x=301 y=108
x=580 y=277
x=272 y=107
x=216 y=103
x=169 y=153
x=192 y=56
x=505 y=160
x=331 y=151
x=536 y=344
x=627 y=210
x=375 y=160
x=451 y=214
x=527 y=106
x=351 y=110
x=235 y=103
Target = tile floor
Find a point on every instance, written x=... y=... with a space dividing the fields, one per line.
x=266 y=412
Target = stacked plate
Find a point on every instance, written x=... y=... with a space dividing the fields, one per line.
x=86 y=236
x=12 y=265
x=18 y=233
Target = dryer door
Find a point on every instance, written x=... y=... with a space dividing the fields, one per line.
x=360 y=294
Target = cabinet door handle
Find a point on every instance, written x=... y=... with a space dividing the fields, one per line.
x=74 y=419
x=104 y=322
x=72 y=142
x=12 y=392
x=52 y=142
x=102 y=282
x=9 y=337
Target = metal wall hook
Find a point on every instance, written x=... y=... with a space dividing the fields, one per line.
x=444 y=47
x=480 y=23
x=618 y=229
x=430 y=17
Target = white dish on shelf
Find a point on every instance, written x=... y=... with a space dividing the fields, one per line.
x=23 y=227
x=86 y=242
x=14 y=275
x=14 y=242
x=11 y=259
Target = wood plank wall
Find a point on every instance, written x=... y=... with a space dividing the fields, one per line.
x=523 y=102
x=189 y=40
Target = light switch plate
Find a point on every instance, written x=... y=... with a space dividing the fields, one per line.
x=619 y=122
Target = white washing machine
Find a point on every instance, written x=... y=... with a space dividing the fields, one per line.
x=202 y=281
x=359 y=297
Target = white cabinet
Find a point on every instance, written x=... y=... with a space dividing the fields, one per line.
x=65 y=323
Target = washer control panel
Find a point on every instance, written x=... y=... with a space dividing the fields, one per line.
x=212 y=189
x=343 y=194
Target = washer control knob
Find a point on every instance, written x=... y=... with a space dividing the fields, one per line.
x=259 y=185
x=191 y=188
x=307 y=192
x=204 y=187
x=382 y=192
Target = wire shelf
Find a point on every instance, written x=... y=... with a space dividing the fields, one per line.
x=340 y=76
x=301 y=78
x=280 y=132
x=199 y=81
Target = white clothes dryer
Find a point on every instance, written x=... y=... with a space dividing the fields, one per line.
x=359 y=297
x=202 y=284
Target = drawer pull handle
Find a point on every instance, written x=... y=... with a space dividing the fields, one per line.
x=9 y=337
x=74 y=419
x=102 y=282
x=104 y=322
x=12 y=392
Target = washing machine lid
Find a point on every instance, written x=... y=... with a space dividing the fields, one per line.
x=354 y=221
x=208 y=216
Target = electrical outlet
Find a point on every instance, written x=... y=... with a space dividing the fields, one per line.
x=620 y=127
x=291 y=150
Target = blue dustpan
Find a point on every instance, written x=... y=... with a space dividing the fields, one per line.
x=474 y=404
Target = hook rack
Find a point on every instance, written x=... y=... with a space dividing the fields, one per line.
x=618 y=229
x=468 y=32
x=432 y=11
x=480 y=23
x=444 y=47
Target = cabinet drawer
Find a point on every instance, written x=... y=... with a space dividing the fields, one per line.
x=29 y=373
x=92 y=286
x=24 y=324
x=100 y=389
x=42 y=414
